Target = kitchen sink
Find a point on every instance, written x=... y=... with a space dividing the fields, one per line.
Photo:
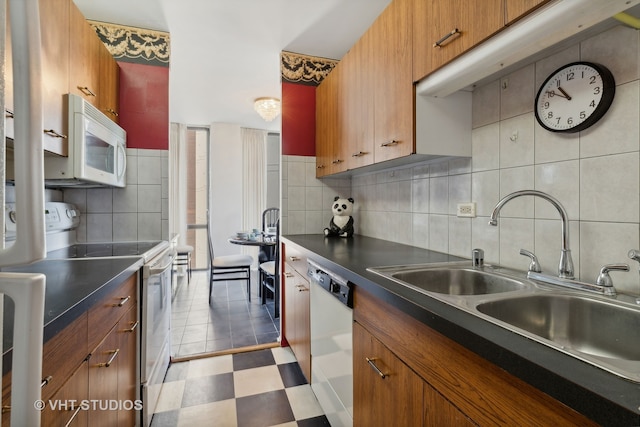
x=591 y=326
x=451 y=280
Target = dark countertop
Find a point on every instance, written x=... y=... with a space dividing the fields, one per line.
x=598 y=394
x=72 y=287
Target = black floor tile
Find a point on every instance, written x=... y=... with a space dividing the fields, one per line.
x=314 y=422
x=243 y=341
x=253 y=359
x=214 y=388
x=291 y=374
x=265 y=409
x=267 y=338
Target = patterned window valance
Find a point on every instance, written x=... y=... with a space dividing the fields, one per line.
x=304 y=69
x=137 y=45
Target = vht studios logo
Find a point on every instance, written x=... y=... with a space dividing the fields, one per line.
x=90 y=405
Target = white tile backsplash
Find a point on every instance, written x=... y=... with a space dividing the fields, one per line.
x=595 y=174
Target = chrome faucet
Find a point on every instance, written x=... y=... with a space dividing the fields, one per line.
x=565 y=268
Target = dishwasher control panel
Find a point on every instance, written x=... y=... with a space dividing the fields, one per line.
x=332 y=283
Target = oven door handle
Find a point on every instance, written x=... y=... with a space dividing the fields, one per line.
x=160 y=270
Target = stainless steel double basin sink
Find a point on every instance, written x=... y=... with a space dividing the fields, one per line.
x=603 y=331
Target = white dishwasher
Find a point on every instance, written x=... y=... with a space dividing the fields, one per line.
x=331 y=344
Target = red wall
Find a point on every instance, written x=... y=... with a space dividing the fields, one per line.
x=298 y=119
x=144 y=105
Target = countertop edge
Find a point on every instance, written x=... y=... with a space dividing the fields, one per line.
x=591 y=391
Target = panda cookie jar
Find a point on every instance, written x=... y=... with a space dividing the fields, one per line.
x=341 y=223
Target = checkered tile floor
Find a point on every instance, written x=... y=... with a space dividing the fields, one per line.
x=255 y=389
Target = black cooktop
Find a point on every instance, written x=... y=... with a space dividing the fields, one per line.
x=101 y=250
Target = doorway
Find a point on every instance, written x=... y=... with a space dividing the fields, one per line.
x=231 y=321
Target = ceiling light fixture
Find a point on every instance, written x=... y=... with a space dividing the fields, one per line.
x=268 y=108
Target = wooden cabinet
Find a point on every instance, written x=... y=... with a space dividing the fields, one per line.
x=391 y=50
x=326 y=124
x=386 y=392
x=444 y=29
x=461 y=388
x=108 y=94
x=297 y=326
x=85 y=56
x=94 y=357
x=515 y=9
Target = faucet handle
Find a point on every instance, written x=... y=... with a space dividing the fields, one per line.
x=477 y=257
x=634 y=254
x=534 y=265
x=605 y=280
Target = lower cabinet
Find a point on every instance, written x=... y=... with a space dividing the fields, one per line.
x=103 y=381
x=431 y=380
x=68 y=410
x=127 y=331
x=297 y=325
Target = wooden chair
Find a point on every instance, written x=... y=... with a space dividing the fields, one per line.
x=228 y=268
x=269 y=277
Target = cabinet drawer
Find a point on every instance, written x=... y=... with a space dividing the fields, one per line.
x=63 y=354
x=67 y=400
x=296 y=260
x=106 y=313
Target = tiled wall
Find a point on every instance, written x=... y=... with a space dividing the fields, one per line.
x=595 y=174
x=137 y=212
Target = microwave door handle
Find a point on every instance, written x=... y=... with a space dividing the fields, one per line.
x=122 y=169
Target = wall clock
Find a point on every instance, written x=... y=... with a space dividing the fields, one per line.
x=574 y=97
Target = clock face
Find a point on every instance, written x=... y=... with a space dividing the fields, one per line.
x=574 y=97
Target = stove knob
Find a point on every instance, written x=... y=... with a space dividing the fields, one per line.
x=12 y=216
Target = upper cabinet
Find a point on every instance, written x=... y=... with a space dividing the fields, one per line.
x=444 y=29
x=515 y=9
x=74 y=60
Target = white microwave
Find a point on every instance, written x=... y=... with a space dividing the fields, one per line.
x=97 y=150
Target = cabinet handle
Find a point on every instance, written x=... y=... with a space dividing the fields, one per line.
x=320 y=167
x=372 y=363
x=46 y=380
x=111 y=359
x=453 y=32
x=123 y=301
x=54 y=134
x=288 y=275
x=301 y=288
x=294 y=258
x=112 y=112
x=134 y=325
x=389 y=143
x=73 y=417
x=8 y=114
x=6 y=409
x=86 y=91
x=337 y=161
x=358 y=154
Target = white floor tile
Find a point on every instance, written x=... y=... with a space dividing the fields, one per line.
x=219 y=414
x=257 y=380
x=283 y=355
x=170 y=396
x=210 y=366
x=303 y=402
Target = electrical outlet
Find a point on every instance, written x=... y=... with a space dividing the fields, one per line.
x=467 y=210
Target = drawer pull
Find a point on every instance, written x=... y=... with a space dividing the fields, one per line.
x=54 y=134
x=111 y=359
x=46 y=380
x=320 y=167
x=73 y=417
x=6 y=409
x=358 y=154
x=337 y=161
x=294 y=258
x=372 y=363
x=86 y=91
x=134 y=325
x=391 y=143
x=302 y=288
x=112 y=112
x=8 y=114
x=123 y=301
x=288 y=275
x=453 y=32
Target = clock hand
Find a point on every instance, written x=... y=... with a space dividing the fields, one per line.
x=566 y=95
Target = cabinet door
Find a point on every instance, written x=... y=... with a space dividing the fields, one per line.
x=68 y=410
x=438 y=411
x=54 y=27
x=326 y=122
x=297 y=322
x=84 y=54
x=518 y=8
x=103 y=380
x=127 y=331
x=474 y=20
x=391 y=53
x=108 y=96
x=386 y=392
